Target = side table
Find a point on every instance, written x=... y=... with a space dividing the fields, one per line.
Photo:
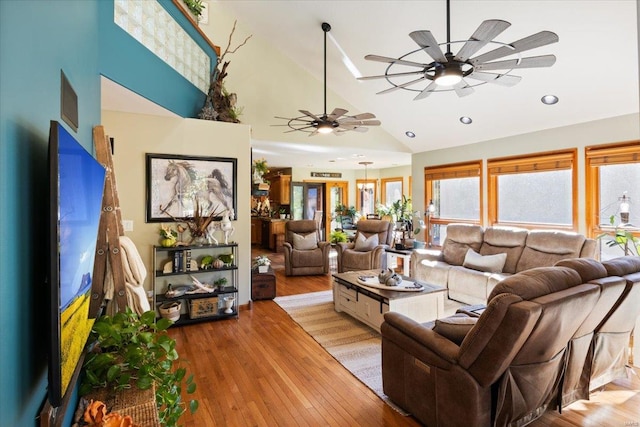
x=263 y=285
x=404 y=254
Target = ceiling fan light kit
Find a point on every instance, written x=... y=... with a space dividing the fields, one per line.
x=337 y=122
x=449 y=72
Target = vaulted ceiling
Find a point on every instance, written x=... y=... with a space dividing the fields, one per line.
x=280 y=71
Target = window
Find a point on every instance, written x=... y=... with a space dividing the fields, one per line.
x=392 y=190
x=613 y=173
x=534 y=191
x=455 y=191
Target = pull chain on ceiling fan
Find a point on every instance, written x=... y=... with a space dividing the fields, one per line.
x=448 y=72
x=337 y=122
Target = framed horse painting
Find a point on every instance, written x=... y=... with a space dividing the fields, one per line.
x=178 y=185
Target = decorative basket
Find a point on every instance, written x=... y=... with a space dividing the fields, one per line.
x=170 y=310
x=203 y=307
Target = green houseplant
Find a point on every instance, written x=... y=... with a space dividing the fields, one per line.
x=622 y=238
x=338 y=236
x=136 y=350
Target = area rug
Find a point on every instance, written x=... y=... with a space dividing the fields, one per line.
x=356 y=346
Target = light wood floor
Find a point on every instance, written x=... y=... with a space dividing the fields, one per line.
x=264 y=370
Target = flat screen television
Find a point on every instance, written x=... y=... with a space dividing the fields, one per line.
x=76 y=185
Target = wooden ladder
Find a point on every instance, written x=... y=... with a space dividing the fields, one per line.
x=109 y=232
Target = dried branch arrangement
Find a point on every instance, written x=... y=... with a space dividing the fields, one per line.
x=221 y=105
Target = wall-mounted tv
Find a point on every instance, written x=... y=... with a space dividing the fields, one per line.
x=76 y=184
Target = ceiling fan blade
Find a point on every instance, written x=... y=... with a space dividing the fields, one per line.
x=486 y=32
x=542 y=38
x=337 y=112
x=361 y=129
x=499 y=79
x=363 y=116
x=379 y=58
x=428 y=43
x=350 y=122
x=401 y=86
x=298 y=129
x=306 y=113
x=463 y=89
x=427 y=91
x=530 y=62
x=409 y=73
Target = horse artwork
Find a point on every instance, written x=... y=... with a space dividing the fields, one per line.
x=177 y=184
x=183 y=175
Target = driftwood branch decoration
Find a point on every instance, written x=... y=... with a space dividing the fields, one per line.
x=219 y=104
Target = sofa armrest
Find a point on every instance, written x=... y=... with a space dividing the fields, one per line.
x=456 y=327
x=342 y=246
x=423 y=336
x=472 y=310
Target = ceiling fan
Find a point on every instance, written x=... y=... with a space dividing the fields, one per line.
x=337 y=122
x=449 y=72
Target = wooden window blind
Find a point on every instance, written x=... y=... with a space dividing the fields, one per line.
x=538 y=163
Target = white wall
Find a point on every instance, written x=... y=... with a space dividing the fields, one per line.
x=616 y=129
x=137 y=134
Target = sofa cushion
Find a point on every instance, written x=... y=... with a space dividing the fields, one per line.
x=304 y=243
x=461 y=237
x=364 y=243
x=455 y=327
x=308 y=258
x=488 y=263
x=507 y=240
x=433 y=272
x=468 y=286
x=544 y=248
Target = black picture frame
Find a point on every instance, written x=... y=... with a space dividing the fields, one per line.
x=175 y=182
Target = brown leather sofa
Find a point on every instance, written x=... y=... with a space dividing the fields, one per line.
x=502 y=368
x=499 y=253
x=304 y=253
x=611 y=340
x=367 y=252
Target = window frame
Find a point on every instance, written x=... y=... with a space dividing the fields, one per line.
x=603 y=155
x=536 y=162
x=469 y=169
x=383 y=187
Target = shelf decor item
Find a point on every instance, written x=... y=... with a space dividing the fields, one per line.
x=170 y=310
x=169 y=237
x=262 y=262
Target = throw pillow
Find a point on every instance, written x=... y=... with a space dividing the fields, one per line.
x=455 y=328
x=486 y=263
x=366 y=244
x=304 y=243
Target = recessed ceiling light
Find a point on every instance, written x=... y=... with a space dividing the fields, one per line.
x=357 y=155
x=465 y=120
x=549 y=99
x=332 y=161
x=410 y=134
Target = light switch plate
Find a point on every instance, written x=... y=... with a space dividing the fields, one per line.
x=127 y=224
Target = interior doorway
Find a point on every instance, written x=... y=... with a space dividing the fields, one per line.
x=308 y=202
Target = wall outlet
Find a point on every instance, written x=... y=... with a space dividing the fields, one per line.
x=127 y=224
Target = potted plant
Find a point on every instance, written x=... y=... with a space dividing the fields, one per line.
x=283 y=213
x=262 y=263
x=135 y=351
x=622 y=238
x=260 y=169
x=338 y=236
x=196 y=7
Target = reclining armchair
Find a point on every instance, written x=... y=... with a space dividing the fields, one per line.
x=304 y=253
x=502 y=368
x=367 y=251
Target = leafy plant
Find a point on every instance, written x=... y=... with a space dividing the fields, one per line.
x=136 y=350
x=195 y=6
x=338 y=236
x=622 y=238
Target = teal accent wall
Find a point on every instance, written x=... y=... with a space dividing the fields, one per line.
x=127 y=62
x=37 y=40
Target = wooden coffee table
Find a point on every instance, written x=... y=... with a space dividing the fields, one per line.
x=369 y=304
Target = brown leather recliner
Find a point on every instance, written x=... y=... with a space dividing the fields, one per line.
x=304 y=253
x=367 y=252
x=575 y=383
x=507 y=367
x=611 y=341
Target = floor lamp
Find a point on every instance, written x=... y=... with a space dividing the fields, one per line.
x=429 y=211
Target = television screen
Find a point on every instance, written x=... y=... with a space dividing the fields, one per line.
x=76 y=187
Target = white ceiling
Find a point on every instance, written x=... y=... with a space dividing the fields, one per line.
x=280 y=71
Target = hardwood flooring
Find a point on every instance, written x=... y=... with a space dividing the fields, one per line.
x=264 y=370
